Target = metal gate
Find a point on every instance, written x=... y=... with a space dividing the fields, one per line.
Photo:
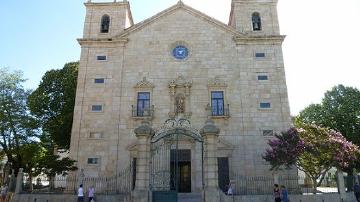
x=165 y=158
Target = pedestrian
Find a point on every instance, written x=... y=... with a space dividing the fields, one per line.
x=284 y=194
x=81 y=193
x=277 y=194
x=91 y=193
x=357 y=191
x=4 y=190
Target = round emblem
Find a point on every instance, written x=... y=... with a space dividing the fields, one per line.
x=180 y=52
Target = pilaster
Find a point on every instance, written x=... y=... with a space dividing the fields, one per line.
x=210 y=134
x=143 y=134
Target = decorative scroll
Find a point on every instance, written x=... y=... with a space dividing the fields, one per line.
x=179 y=126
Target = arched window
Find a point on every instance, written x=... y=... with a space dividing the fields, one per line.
x=105 y=24
x=256 y=21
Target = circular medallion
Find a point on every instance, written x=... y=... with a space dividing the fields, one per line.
x=180 y=52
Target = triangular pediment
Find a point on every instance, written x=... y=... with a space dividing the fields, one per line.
x=179 y=6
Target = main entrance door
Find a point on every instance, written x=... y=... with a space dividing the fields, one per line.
x=170 y=166
x=181 y=164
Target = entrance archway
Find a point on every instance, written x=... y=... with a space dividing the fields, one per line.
x=175 y=150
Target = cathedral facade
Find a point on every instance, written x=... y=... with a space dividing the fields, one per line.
x=177 y=78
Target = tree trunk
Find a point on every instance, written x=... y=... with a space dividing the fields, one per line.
x=314 y=184
x=31 y=188
x=51 y=183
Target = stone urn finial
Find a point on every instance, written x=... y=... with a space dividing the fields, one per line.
x=210 y=128
x=144 y=129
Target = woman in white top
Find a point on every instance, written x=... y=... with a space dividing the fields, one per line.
x=81 y=194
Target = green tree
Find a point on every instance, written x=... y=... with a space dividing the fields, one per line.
x=339 y=110
x=53 y=103
x=17 y=126
x=31 y=155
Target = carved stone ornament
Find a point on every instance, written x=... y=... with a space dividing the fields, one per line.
x=180 y=82
x=216 y=82
x=144 y=84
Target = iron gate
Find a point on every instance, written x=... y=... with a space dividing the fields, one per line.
x=166 y=159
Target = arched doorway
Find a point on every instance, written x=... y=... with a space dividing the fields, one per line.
x=176 y=160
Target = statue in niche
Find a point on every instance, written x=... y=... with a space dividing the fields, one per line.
x=180 y=105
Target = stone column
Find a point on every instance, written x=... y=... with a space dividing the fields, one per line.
x=276 y=178
x=19 y=181
x=143 y=134
x=210 y=134
x=341 y=185
x=12 y=182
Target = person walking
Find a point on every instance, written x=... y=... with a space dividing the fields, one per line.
x=4 y=190
x=91 y=193
x=80 y=194
x=284 y=194
x=357 y=191
x=277 y=194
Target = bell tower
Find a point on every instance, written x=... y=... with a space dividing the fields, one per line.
x=257 y=17
x=106 y=19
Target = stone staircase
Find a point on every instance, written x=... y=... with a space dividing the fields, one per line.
x=189 y=197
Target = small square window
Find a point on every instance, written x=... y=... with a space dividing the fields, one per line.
x=265 y=105
x=96 y=108
x=99 y=80
x=101 y=57
x=268 y=132
x=259 y=55
x=263 y=77
x=93 y=161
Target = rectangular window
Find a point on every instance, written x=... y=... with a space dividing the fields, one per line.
x=93 y=161
x=96 y=108
x=95 y=135
x=265 y=105
x=259 y=55
x=101 y=57
x=262 y=77
x=217 y=103
x=268 y=132
x=99 y=80
x=143 y=104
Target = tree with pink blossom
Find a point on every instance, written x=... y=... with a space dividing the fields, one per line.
x=311 y=149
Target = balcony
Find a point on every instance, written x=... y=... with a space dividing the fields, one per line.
x=145 y=113
x=218 y=113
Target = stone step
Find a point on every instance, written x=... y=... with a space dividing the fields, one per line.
x=189 y=197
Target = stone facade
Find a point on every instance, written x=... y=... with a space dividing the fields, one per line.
x=246 y=65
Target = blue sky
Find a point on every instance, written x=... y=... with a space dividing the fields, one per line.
x=321 y=49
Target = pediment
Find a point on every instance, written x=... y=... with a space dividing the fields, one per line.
x=217 y=82
x=224 y=145
x=144 y=84
x=179 y=6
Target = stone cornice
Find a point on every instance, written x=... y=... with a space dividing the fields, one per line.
x=88 y=41
x=243 y=40
x=122 y=3
x=255 y=1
